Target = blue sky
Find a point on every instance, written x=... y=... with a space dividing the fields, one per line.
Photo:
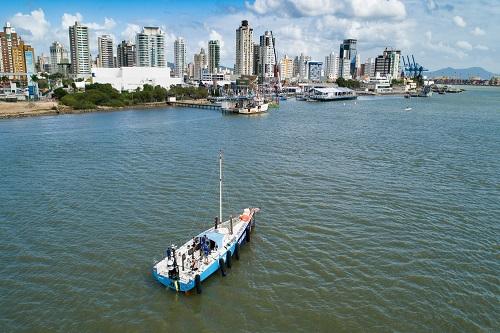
x=439 y=33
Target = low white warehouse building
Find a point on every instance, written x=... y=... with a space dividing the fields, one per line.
x=130 y=78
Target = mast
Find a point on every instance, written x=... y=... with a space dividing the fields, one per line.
x=220 y=186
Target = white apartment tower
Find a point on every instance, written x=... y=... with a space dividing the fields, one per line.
x=332 y=66
x=200 y=63
x=105 y=48
x=179 y=57
x=150 y=47
x=79 y=49
x=244 y=49
x=286 y=68
x=58 y=55
x=213 y=56
x=370 y=67
x=266 y=59
x=300 y=66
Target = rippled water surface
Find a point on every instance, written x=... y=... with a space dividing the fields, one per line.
x=373 y=218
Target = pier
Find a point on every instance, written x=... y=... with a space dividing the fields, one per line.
x=192 y=104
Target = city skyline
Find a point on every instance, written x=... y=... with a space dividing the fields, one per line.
x=437 y=33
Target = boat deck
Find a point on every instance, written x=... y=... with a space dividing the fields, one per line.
x=195 y=261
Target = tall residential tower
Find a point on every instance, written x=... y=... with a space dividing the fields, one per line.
x=125 y=54
x=105 y=46
x=79 y=49
x=150 y=46
x=266 y=59
x=213 y=56
x=180 y=57
x=244 y=49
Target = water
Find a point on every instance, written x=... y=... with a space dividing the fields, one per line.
x=373 y=218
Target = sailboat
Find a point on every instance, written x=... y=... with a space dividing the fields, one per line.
x=212 y=250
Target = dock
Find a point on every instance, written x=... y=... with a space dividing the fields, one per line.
x=191 y=104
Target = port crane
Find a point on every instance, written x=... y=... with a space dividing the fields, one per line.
x=412 y=69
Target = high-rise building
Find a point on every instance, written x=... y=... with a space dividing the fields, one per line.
x=213 y=56
x=388 y=64
x=244 y=49
x=300 y=66
x=369 y=67
x=266 y=59
x=256 y=58
x=23 y=60
x=348 y=50
x=345 y=68
x=79 y=49
x=58 y=55
x=179 y=57
x=125 y=54
x=200 y=64
x=9 y=40
x=105 y=48
x=150 y=46
x=190 y=70
x=332 y=66
x=357 y=66
x=286 y=68
x=314 y=69
x=42 y=64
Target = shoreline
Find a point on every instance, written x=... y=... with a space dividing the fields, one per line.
x=13 y=110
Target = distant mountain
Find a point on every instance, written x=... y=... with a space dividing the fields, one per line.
x=461 y=73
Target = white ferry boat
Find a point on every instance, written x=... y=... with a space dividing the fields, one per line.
x=331 y=94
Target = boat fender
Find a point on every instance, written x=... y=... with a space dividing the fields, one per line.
x=176 y=285
x=247 y=235
x=237 y=251
x=197 y=283
x=228 y=259
x=221 y=267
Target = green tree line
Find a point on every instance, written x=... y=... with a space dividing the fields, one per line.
x=97 y=94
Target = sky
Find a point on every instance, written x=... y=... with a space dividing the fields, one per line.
x=438 y=33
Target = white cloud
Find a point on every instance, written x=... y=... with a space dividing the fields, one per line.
x=459 y=21
x=464 y=45
x=34 y=24
x=441 y=47
x=130 y=31
x=368 y=9
x=378 y=8
x=482 y=47
x=478 y=31
x=291 y=31
x=68 y=20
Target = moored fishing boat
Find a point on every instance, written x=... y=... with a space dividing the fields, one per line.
x=247 y=106
x=184 y=268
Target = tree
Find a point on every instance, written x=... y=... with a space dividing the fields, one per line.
x=60 y=93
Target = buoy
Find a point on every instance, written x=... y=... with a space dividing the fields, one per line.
x=247 y=235
x=237 y=251
x=221 y=267
x=228 y=259
x=197 y=283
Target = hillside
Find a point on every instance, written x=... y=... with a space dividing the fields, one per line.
x=461 y=73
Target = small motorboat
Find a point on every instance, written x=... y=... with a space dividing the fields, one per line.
x=408 y=109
